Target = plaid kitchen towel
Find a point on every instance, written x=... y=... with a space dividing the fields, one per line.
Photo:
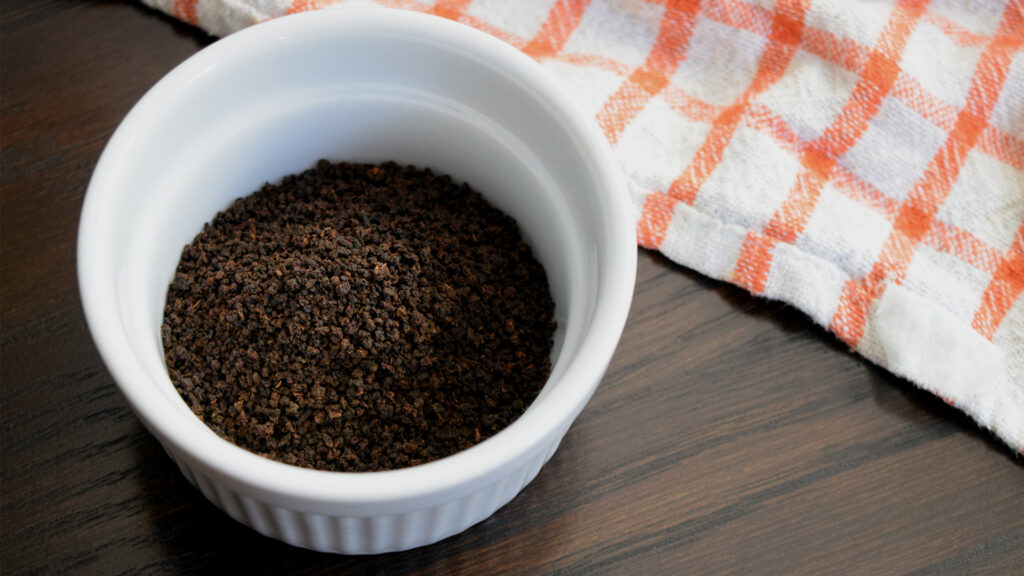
x=860 y=160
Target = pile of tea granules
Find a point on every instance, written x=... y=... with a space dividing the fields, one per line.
x=359 y=317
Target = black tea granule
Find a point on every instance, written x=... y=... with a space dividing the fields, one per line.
x=359 y=317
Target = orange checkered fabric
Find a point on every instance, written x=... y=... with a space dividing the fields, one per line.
x=862 y=161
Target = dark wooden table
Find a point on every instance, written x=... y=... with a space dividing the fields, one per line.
x=730 y=434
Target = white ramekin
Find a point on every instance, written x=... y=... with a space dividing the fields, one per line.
x=358 y=85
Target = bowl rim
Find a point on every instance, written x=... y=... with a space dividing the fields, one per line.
x=472 y=468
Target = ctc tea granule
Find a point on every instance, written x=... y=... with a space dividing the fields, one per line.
x=359 y=317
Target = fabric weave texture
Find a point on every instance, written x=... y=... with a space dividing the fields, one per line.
x=860 y=160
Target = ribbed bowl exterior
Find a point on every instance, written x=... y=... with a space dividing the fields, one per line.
x=350 y=534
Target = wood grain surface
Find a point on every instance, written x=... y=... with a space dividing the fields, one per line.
x=730 y=435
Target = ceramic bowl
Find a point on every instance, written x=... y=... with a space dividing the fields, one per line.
x=363 y=85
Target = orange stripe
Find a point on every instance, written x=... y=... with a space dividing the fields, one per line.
x=918 y=212
x=910 y=92
x=964 y=245
x=844 y=52
x=850 y=184
x=956 y=31
x=451 y=9
x=303 y=6
x=593 y=61
x=791 y=218
x=765 y=120
x=1004 y=147
x=737 y=14
x=657 y=213
x=562 y=20
x=853 y=120
x=186 y=10
x=645 y=82
x=754 y=262
x=707 y=157
x=689 y=107
x=1004 y=289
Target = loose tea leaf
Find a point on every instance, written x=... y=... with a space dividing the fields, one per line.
x=359 y=317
